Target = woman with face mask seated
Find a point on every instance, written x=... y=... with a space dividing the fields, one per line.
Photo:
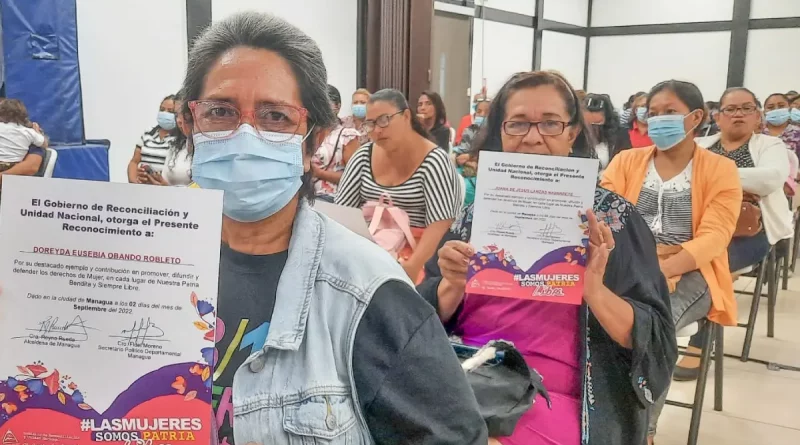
x=326 y=339
x=359 y=110
x=690 y=199
x=638 y=122
x=328 y=162
x=177 y=169
x=151 y=152
x=599 y=113
x=762 y=166
x=405 y=165
x=480 y=106
x=777 y=121
x=603 y=362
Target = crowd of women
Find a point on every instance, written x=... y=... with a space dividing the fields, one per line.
x=357 y=349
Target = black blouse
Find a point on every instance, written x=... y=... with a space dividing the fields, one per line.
x=619 y=384
x=440 y=135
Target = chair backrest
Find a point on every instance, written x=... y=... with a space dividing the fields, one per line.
x=43 y=167
x=49 y=162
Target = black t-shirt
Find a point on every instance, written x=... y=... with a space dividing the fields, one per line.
x=403 y=366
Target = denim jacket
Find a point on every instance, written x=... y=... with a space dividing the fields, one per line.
x=299 y=388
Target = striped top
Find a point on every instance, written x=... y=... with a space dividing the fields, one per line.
x=432 y=193
x=666 y=206
x=154 y=148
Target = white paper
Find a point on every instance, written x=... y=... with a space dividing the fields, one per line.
x=350 y=217
x=107 y=310
x=527 y=228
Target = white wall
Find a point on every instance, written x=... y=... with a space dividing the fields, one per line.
x=130 y=58
x=765 y=9
x=508 y=49
x=332 y=23
x=564 y=53
x=574 y=12
x=527 y=7
x=640 y=12
x=764 y=74
x=622 y=65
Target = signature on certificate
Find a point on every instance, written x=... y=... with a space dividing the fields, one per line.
x=550 y=232
x=144 y=332
x=508 y=227
x=74 y=330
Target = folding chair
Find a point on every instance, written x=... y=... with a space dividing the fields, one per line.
x=714 y=340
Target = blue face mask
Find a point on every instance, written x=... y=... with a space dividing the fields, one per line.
x=166 y=120
x=666 y=131
x=778 y=117
x=259 y=177
x=360 y=111
x=795 y=113
x=641 y=114
x=479 y=120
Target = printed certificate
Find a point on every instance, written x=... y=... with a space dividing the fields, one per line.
x=107 y=312
x=529 y=228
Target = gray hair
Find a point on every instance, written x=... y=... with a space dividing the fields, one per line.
x=266 y=31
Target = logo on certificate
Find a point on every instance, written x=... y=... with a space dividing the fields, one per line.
x=9 y=438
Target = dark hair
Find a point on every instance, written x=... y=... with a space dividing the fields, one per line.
x=179 y=140
x=776 y=94
x=266 y=31
x=334 y=96
x=687 y=92
x=13 y=111
x=399 y=101
x=791 y=93
x=170 y=97
x=736 y=90
x=489 y=138
x=438 y=106
x=611 y=126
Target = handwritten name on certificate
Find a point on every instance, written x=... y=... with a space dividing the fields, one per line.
x=107 y=312
x=528 y=230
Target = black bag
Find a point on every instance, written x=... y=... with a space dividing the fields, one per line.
x=504 y=386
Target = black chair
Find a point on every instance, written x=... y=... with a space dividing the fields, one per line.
x=795 y=241
x=766 y=272
x=714 y=339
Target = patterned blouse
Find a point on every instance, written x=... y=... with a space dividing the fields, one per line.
x=666 y=206
x=790 y=137
x=329 y=157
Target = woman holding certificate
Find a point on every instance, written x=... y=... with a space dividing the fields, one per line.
x=604 y=361
x=690 y=198
x=320 y=336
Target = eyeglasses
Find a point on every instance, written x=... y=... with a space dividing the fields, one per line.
x=545 y=128
x=746 y=109
x=382 y=121
x=218 y=120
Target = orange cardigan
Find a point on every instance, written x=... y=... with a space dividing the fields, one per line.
x=716 y=202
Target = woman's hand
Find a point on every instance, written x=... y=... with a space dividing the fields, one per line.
x=142 y=176
x=601 y=243
x=453 y=262
x=36 y=128
x=462 y=158
x=157 y=179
